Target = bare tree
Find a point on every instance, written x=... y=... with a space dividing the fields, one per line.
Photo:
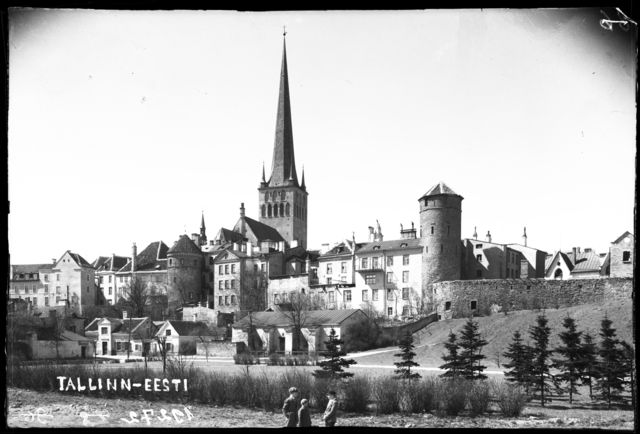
x=20 y=324
x=136 y=297
x=58 y=327
x=162 y=347
x=296 y=310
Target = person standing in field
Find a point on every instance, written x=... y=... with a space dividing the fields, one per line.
x=331 y=413
x=304 y=416
x=290 y=408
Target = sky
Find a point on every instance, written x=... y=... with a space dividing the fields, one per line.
x=124 y=126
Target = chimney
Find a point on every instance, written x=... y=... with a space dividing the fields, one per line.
x=53 y=260
x=475 y=233
x=488 y=236
x=524 y=236
x=242 y=209
x=370 y=233
x=235 y=246
x=195 y=238
x=243 y=230
x=134 y=253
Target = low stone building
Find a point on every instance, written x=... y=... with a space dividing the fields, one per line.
x=181 y=337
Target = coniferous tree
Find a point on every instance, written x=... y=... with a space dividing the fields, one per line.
x=333 y=366
x=570 y=363
x=471 y=344
x=629 y=367
x=403 y=370
x=520 y=365
x=588 y=363
x=610 y=367
x=540 y=358
x=452 y=359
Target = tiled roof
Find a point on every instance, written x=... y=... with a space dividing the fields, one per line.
x=153 y=257
x=105 y=262
x=440 y=188
x=586 y=262
x=296 y=252
x=80 y=260
x=100 y=262
x=93 y=326
x=313 y=318
x=621 y=237
x=263 y=232
x=190 y=328
x=184 y=245
x=30 y=268
x=132 y=324
x=390 y=245
x=227 y=235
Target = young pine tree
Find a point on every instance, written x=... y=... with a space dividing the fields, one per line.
x=452 y=359
x=629 y=368
x=588 y=363
x=611 y=367
x=540 y=358
x=403 y=370
x=520 y=365
x=569 y=364
x=471 y=344
x=333 y=366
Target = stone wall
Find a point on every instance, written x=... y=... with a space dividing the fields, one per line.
x=395 y=333
x=453 y=299
x=216 y=349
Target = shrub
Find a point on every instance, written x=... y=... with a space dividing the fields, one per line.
x=511 y=398
x=479 y=398
x=418 y=396
x=427 y=393
x=362 y=335
x=318 y=397
x=386 y=396
x=355 y=394
x=245 y=359
x=274 y=359
x=452 y=396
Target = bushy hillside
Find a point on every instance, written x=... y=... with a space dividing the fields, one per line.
x=498 y=331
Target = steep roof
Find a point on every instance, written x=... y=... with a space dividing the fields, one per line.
x=621 y=237
x=93 y=325
x=112 y=262
x=79 y=259
x=400 y=244
x=184 y=245
x=153 y=257
x=189 y=328
x=262 y=231
x=100 y=262
x=440 y=188
x=227 y=235
x=549 y=263
x=283 y=166
x=313 y=318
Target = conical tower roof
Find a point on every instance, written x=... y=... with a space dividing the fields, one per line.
x=184 y=245
x=440 y=189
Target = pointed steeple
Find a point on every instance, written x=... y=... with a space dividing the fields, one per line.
x=264 y=181
x=302 y=185
x=283 y=167
x=202 y=226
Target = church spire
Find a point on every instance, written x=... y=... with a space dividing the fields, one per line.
x=283 y=167
x=302 y=186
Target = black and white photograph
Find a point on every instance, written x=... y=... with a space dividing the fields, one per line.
x=367 y=218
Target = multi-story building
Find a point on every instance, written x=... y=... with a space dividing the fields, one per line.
x=109 y=285
x=483 y=259
x=577 y=264
x=30 y=283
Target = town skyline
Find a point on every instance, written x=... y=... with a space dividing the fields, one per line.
x=191 y=136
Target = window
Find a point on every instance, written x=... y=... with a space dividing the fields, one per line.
x=405 y=293
x=169 y=347
x=473 y=305
x=226 y=300
x=364 y=263
x=347 y=295
x=57 y=299
x=226 y=269
x=441 y=248
x=118 y=346
x=478 y=273
x=275 y=299
x=168 y=332
x=46 y=277
x=478 y=246
x=365 y=295
x=110 y=290
x=233 y=283
x=370 y=279
x=432 y=230
x=220 y=300
x=390 y=311
x=219 y=269
x=389 y=276
x=57 y=277
x=329 y=268
x=332 y=296
x=226 y=284
x=405 y=310
x=35 y=301
x=233 y=299
x=46 y=301
x=447 y=305
x=46 y=288
x=405 y=259
x=120 y=279
x=448 y=229
x=343 y=267
x=389 y=294
x=104 y=330
x=626 y=256
x=374 y=294
x=262 y=267
x=389 y=261
x=233 y=268
x=109 y=279
x=374 y=263
x=405 y=276
x=479 y=258
x=264 y=210
x=329 y=280
x=220 y=284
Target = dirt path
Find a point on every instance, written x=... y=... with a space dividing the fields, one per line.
x=34 y=409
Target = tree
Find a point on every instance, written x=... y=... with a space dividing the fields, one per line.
x=540 y=358
x=588 y=363
x=296 y=310
x=403 y=370
x=20 y=324
x=629 y=368
x=332 y=366
x=452 y=359
x=611 y=367
x=471 y=344
x=58 y=327
x=520 y=365
x=571 y=352
x=136 y=297
x=162 y=347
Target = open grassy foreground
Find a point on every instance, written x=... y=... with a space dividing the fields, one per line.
x=47 y=409
x=498 y=330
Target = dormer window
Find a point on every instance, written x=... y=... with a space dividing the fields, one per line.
x=376 y=247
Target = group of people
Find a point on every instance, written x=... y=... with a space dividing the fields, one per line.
x=297 y=412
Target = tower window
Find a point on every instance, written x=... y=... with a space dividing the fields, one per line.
x=269 y=210
x=282 y=195
x=170 y=262
x=473 y=305
x=288 y=209
x=275 y=210
x=441 y=248
x=264 y=210
x=447 y=305
x=282 y=207
x=266 y=196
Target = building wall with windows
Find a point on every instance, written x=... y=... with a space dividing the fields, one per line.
x=30 y=282
x=488 y=260
x=621 y=256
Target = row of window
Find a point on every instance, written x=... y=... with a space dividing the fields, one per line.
x=121 y=279
x=228 y=300
x=370 y=279
x=346 y=295
x=195 y=262
x=224 y=269
x=34 y=300
x=227 y=284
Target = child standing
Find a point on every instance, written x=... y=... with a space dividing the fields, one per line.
x=304 y=417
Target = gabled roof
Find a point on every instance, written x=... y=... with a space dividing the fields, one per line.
x=227 y=235
x=100 y=262
x=621 y=237
x=79 y=259
x=224 y=254
x=93 y=325
x=189 y=328
x=110 y=263
x=261 y=231
x=400 y=244
x=554 y=259
x=440 y=188
x=184 y=245
x=298 y=253
x=342 y=248
x=586 y=262
x=153 y=257
x=313 y=318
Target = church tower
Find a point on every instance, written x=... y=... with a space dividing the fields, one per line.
x=282 y=199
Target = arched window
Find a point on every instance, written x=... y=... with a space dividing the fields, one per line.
x=281 y=209
x=273 y=195
x=264 y=210
x=269 y=210
x=282 y=195
x=288 y=209
x=558 y=274
x=275 y=210
x=266 y=196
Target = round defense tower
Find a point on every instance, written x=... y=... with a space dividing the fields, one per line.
x=184 y=272
x=440 y=230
